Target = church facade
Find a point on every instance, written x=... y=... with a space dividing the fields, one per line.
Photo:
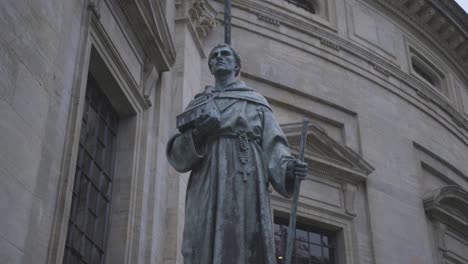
x=90 y=91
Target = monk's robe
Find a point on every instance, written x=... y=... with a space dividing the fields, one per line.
x=227 y=213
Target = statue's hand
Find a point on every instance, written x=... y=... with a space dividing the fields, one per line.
x=206 y=126
x=297 y=169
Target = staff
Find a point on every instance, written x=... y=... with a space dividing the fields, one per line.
x=297 y=186
x=227 y=22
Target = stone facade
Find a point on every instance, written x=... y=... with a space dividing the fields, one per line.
x=384 y=82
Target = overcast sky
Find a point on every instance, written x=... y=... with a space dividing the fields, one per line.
x=463 y=3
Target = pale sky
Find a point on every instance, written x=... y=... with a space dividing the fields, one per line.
x=463 y=4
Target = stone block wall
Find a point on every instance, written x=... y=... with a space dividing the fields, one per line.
x=39 y=50
x=347 y=68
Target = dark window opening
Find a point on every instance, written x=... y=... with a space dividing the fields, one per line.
x=312 y=245
x=307 y=5
x=426 y=76
x=89 y=215
x=427 y=71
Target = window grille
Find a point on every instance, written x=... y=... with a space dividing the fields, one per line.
x=312 y=245
x=307 y=5
x=89 y=215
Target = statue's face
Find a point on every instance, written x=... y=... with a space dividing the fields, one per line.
x=222 y=60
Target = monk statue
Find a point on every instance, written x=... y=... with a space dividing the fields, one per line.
x=232 y=144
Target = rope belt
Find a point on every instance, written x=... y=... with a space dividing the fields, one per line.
x=243 y=147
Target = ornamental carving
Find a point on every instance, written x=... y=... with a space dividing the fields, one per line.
x=268 y=19
x=330 y=44
x=381 y=70
x=202 y=19
x=449 y=205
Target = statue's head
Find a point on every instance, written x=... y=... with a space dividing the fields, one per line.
x=224 y=58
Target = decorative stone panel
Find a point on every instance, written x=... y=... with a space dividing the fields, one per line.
x=202 y=19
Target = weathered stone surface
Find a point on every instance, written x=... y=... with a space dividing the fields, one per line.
x=346 y=68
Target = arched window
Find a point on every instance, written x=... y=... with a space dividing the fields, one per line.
x=308 y=5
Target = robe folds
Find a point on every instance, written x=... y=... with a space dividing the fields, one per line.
x=227 y=213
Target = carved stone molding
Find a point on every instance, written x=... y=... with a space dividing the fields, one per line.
x=413 y=85
x=150 y=78
x=449 y=205
x=327 y=157
x=268 y=19
x=330 y=44
x=440 y=229
x=202 y=19
x=93 y=6
x=381 y=70
x=331 y=160
x=447 y=208
x=148 y=22
x=423 y=95
x=415 y=6
x=350 y=198
x=427 y=15
x=439 y=20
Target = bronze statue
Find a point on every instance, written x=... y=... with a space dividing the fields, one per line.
x=234 y=147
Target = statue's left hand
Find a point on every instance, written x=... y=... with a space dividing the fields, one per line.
x=297 y=169
x=206 y=126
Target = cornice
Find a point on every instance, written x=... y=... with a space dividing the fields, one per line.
x=268 y=19
x=449 y=205
x=115 y=57
x=330 y=44
x=441 y=22
x=381 y=65
x=327 y=157
x=451 y=7
x=327 y=38
x=148 y=22
x=424 y=94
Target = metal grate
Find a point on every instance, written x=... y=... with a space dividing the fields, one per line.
x=304 y=4
x=312 y=245
x=89 y=215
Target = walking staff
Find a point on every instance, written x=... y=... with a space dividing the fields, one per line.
x=297 y=186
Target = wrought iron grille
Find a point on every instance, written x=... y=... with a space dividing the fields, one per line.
x=304 y=4
x=89 y=215
x=312 y=245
